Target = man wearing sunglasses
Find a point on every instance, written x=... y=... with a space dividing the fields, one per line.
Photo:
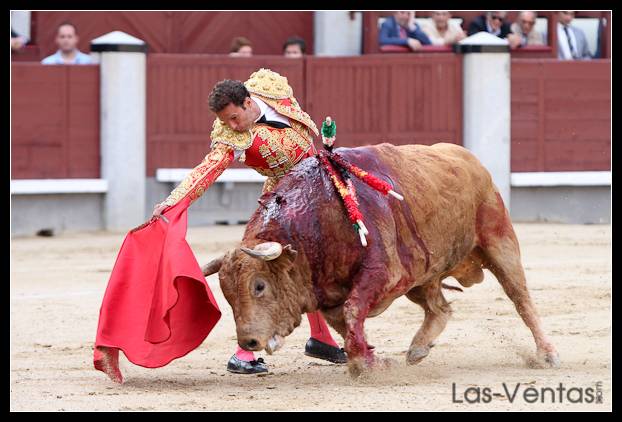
x=492 y=22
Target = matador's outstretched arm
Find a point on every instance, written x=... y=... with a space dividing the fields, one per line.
x=203 y=175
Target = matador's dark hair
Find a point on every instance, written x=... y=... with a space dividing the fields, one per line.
x=226 y=92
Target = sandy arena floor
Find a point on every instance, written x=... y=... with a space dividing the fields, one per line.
x=57 y=285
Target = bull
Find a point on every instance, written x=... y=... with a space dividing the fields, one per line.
x=300 y=254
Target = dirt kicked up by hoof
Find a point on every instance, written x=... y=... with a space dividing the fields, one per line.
x=360 y=367
x=541 y=360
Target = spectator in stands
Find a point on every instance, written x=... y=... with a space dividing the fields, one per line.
x=571 y=41
x=441 y=31
x=524 y=32
x=241 y=47
x=401 y=29
x=17 y=41
x=294 y=47
x=67 y=42
x=492 y=22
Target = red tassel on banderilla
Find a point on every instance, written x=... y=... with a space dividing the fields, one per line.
x=341 y=180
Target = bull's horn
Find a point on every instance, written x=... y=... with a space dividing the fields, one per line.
x=212 y=267
x=266 y=251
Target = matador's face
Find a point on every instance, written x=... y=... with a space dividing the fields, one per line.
x=238 y=118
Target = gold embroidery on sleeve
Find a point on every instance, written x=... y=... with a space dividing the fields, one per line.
x=203 y=175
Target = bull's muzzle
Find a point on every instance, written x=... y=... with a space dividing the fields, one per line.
x=251 y=344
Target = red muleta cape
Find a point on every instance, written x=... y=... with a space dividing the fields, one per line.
x=157 y=306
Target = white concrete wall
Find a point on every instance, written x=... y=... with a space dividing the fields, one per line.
x=562 y=204
x=336 y=34
x=123 y=137
x=58 y=212
x=486 y=114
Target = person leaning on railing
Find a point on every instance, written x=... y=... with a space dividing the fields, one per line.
x=441 y=31
x=402 y=30
x=524 y=32
x=492 y=22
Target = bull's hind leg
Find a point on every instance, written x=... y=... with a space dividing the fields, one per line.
x=437 y=313
x=502 y=258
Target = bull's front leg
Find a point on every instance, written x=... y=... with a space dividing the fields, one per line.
x=366 y=292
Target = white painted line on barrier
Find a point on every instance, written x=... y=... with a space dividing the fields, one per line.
x=58 y=186
x=229 y=175
x=563 y=178
x=52 y=186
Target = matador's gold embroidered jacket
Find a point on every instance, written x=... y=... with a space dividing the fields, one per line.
x=270 y=151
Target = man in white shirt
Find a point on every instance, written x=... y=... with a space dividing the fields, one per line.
x=67 y=42
x=571 y=41
x=441 y=30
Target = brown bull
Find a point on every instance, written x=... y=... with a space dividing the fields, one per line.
x=300 y=253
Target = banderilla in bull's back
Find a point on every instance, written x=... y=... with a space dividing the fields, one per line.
x=343 y=185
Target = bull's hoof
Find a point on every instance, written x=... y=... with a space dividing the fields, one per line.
x=384 y=363
x=549 y=359
x=416 y=354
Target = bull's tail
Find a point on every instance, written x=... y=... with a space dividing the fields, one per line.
x=447 y=286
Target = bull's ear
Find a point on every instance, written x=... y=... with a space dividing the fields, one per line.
x=213 y=266
x=289 y=254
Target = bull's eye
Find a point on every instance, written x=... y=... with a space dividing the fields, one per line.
x=259 y=288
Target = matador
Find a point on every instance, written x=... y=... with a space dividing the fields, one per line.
x=260 y=123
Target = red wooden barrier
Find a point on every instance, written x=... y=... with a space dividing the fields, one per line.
x=561 y=111
x=561 y=115
x=179 y=31
x=54 y=121
x=378 y=98
x=402 y=100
